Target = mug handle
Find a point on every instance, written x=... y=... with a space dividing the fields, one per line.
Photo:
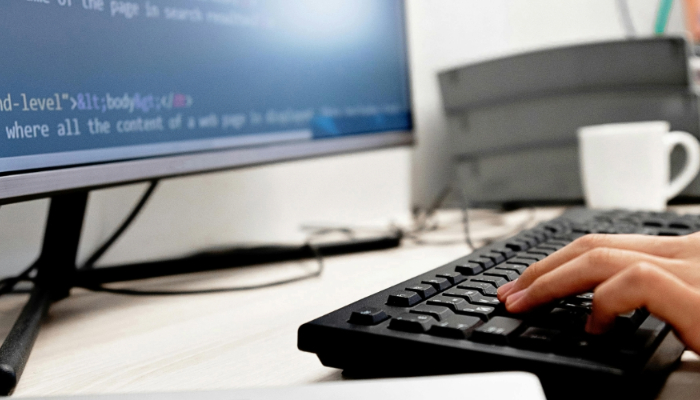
x=692 y=163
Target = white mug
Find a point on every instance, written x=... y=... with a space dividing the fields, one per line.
x=628 y=165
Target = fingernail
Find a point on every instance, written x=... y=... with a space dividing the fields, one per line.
x=505 y=289
x=515 y=298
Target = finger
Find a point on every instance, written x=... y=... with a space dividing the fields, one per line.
x=505 y=290
x=647 y=285
x=667 y=247
x=579 y=275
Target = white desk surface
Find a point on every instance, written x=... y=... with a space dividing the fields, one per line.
x=105 y=343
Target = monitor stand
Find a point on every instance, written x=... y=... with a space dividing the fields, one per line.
x=57 y=273
x=55 y=270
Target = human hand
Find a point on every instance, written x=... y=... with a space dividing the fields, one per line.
x=626 y=272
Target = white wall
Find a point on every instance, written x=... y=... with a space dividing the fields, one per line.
x=269 y=203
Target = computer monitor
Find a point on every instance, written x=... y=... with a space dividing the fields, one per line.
x=96 y=93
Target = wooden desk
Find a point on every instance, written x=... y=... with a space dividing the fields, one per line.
x=104 y=343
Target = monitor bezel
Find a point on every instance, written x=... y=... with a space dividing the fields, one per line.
x=41 y=184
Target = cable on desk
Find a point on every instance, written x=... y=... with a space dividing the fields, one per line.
x=136 y=292
x=422 y=220
x=423 y=223
x=90 y=263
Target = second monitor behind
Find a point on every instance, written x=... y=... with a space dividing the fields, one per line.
x=512 y=121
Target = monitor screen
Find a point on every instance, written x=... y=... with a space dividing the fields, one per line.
x=102 y=82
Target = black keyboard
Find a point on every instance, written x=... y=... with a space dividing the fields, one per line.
x=449 y=320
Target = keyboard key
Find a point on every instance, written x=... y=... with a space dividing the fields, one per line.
x=473 y=297
x=585 y=297
x=439 y=313
x=497 y=330
x=497 y=257
x=512 y=267
x=642 y=338
x=558 y=243
x=526 y=262
x=554 y=227
x=679 y=225
x=540 y=339
x=483 y=312
x=563 y=319
x=424 y=291
x=368 y=316
x=582 y=230
x=404 y=299
x=494 y=280
x=517 y=245
x=485 y=301
x=539 y=251
x=630 y=321
x=471 y=268
x=572 y=236
x=438 y=283
x=539 y=234
x=457 y=327
x=509 y=275
x=536 y=236
x=529 y=256
x=507 y=252
x=453 y=277
x=486 y=289
x=531 y=242
x=654 y=223
x=453 y=303
x=490 y=259
x=583 y=306
x=416 y=323
x=550 y=247
x=485 y=263
x=467 y=294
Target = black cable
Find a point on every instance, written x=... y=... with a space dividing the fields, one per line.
x=422 y=224
x=90 y=263
x=7 y=285
x=136 y=292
